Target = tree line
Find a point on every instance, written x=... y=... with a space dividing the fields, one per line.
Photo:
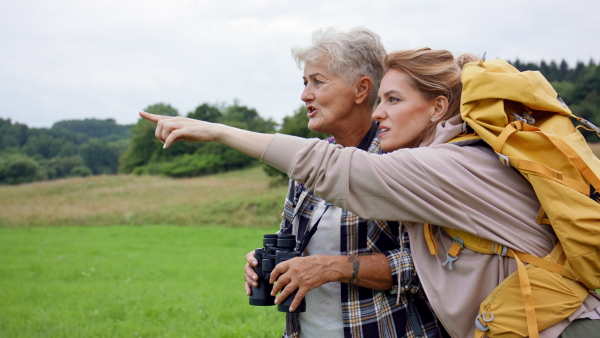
x=74 y=148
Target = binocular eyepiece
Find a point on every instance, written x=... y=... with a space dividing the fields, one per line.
x=276 y=249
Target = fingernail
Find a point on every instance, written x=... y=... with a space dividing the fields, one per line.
x=291 y=309
x=164 y=146
x=255 y=277
x=276 y=301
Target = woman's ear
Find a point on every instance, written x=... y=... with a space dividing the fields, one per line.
x=362 y=88
x=440 y=107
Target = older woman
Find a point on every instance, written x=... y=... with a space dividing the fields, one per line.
x=350 y=267
x=428 y=180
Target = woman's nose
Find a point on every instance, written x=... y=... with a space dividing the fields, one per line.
x=378 y=114
x=307 y=94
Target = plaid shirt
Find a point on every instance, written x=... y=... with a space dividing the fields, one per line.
x=367 y=312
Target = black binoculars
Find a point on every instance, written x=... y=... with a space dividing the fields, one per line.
x=276 y=249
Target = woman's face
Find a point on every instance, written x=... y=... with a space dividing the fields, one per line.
x=403 y=113
x=328 y=99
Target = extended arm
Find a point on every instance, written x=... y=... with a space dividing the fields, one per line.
x=449 y=186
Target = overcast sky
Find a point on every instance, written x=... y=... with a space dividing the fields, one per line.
x=68 y=59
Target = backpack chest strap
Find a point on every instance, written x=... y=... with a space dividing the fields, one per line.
x=554 y=262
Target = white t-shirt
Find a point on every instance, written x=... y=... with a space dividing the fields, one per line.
x=323 y=316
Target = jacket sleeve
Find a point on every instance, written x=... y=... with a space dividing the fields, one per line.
x=466 y=188
x=402 y=262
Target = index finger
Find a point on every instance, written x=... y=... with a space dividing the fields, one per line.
x=152 y=117
x=279 y=269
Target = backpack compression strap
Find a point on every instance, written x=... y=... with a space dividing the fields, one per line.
x=542 y=169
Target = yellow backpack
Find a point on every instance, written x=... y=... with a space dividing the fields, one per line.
x=524 y=120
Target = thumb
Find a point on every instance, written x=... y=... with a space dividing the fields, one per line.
x=173 y=137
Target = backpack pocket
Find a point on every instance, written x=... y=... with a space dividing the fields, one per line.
x=502 y=313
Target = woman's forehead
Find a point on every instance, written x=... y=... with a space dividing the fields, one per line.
x=319 y=68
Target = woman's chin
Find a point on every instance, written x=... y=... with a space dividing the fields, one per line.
x=315 y=124
x=387 y=147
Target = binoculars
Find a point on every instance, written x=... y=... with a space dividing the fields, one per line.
x=276 y=249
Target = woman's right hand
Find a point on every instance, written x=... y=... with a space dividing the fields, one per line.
x=249 y=273
x=171 y=129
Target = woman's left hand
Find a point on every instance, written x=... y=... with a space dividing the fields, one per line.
x=171 y=129
x=304 y=274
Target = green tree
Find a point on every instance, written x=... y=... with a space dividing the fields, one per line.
x=68 y=149
x=206 y=112
x=101 y=156
x=95 y=128
x=12 y=135
x=43 y=145
x=243 y=117
x=61 y=167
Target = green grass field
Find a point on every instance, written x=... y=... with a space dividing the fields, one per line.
x=135 y=256
x=129 y=281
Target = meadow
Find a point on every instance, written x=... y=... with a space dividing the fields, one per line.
x=134 y=256
x=235 y=199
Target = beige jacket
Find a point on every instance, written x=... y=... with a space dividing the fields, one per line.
x=466 y=188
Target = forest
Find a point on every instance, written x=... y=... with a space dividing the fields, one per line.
x=75 y=148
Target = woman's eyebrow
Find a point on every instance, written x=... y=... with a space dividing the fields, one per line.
x=390 y=92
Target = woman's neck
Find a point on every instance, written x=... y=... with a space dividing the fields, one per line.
x=352 y=133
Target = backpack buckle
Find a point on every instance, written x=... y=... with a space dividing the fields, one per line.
x=504 y=159
x=452 y=254
x=499 y=249
x=527 y=118
x=449 y=260
x=478 y=323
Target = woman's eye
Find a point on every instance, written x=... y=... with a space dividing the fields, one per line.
x=305 y=83
x=394 y=99
x=317 y=82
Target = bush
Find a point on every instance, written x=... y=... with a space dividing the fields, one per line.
x=61 y=167
x=81 y=171
x=189 y=165
x=153 y=168
x=19 y=168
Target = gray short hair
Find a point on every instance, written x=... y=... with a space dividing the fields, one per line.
x=353 y=54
